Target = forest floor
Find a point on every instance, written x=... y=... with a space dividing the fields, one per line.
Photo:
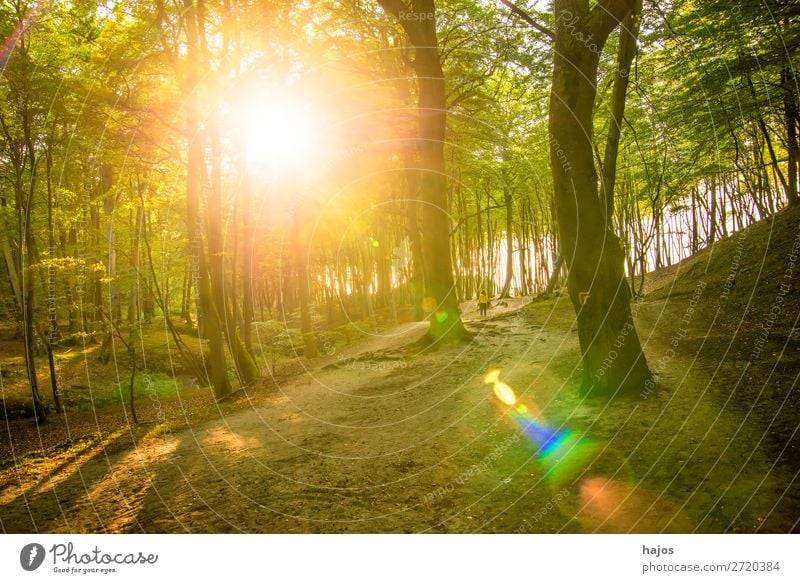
x=376 y=438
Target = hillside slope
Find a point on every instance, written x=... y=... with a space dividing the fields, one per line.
x=746 y=270
x=731 y=312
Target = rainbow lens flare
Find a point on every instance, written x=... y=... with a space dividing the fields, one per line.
x=586 y=469
x=549 y=440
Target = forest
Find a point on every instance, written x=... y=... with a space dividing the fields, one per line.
x=408 y=266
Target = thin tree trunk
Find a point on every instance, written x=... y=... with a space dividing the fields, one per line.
x=301 y=267
x=509 y=203
x=792 y=146
x=53 y=333
x=629 y=35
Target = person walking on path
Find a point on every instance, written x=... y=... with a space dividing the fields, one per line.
x=483 y=303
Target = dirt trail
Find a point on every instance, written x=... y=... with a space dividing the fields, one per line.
x=376 y=440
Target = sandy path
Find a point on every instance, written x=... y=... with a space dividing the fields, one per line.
x=372 y=440
x=360 y=442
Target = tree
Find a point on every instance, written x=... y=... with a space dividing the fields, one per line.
x=20 y=137
x=418 y=20
x=612 y=354
x=210 y=316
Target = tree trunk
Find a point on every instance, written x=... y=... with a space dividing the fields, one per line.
x=612 y=355
x=629 y=34
x=440 y=294
x=523 y=249
x=712 y=216
x=216 y=365
x=509 y=203
x=301 y=267
x=53 y=336
x=792 y=147
x=25 y=200
x=134 y=303
x=247 y=270
x=11 y=268
x=26 y=276
x=220 y=283
x=415 y=241
x=694 y=242
x=441 y=303
x=481 y=285
x=106 y=182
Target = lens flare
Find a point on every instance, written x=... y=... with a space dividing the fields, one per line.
x=501 y=390
x=492 y=377
x=505 y=393
x=585 y=469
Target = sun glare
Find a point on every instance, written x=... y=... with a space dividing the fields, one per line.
x=280 y=134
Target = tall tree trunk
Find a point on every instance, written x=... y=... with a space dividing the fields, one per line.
x=25 y=200
x=481 y=285
x=383 y=265
x=26 y=276
x=441 y=302
x=109 y=202
x=53 y=335
x=301 y=267
x=629 y=34
x=792 y=147
x=211 y=325
x=612 y=354
x=247 y=269
x=134 y=301
x=11 y=268
x=523 y=250
x=415 y=241
x=443 y=309
x=695 y=245
x=220 y=283
x=712 y=216
x=490 y=233
x=509 y=203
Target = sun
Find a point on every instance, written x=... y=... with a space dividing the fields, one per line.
x=279 y=134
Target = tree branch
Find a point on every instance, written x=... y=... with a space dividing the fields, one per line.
x=465 y=219
x=607 y=15
x=529 y=19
